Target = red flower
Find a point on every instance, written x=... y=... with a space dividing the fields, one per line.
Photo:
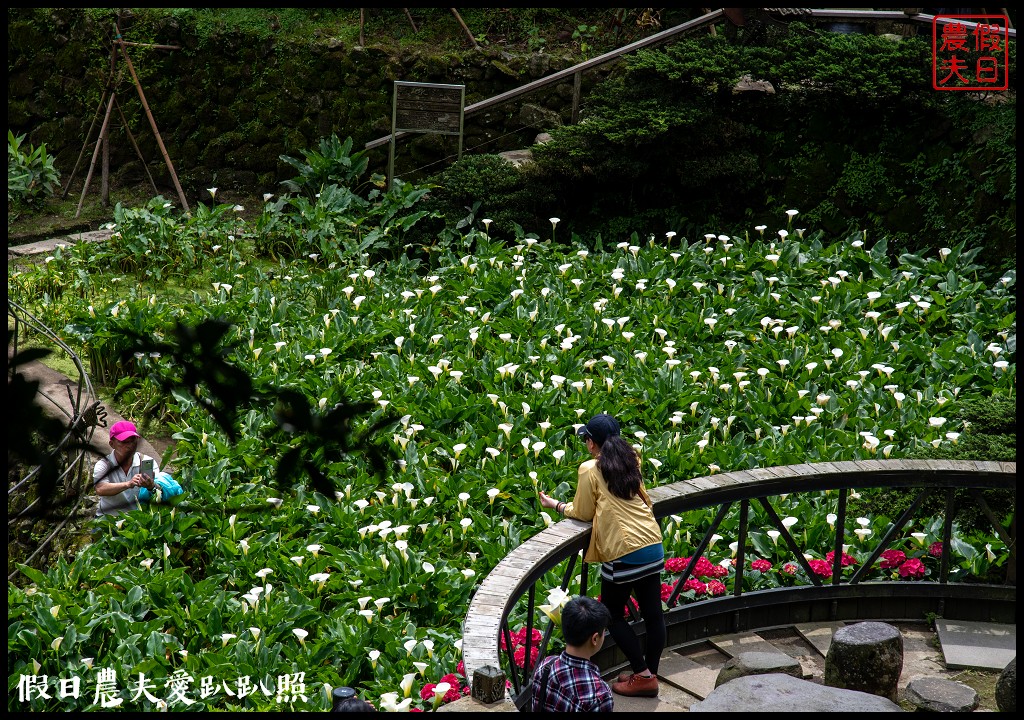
x=761 y=565
x=935 y=550
x=820 y=567
x=461 y=668
x=705 y=568
x=846 y=560
x=789 y=568
x=666 y=591
x=520 y=657
x=715 y=588
x=892 y=559
x=454 y=692
x=519 y=638
x=415 y=709
x=912 y=568
x=676 y=564
x=695 y=584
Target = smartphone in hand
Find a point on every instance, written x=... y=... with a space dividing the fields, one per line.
x=147 y=468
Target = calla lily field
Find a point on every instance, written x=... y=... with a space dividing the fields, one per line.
x=738 y=349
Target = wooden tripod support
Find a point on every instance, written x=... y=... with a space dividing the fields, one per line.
x=455 y=12
x=102 y=141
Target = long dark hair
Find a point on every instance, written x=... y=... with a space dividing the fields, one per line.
x=620 y=466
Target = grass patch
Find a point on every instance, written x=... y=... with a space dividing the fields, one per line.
x=984 y=682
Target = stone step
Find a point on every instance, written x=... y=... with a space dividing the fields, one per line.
x=687 y=675
x=819 y=635
x=965 y=644
x=733 y=645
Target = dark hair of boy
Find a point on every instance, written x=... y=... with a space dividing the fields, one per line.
x=581 y=618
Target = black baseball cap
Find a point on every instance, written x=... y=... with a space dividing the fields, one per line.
x=600 y=428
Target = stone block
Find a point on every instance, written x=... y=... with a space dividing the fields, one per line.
x=489 y=684
x=784 y=693
x=931 y=694
x=758 y=663
x=867 y=657
x=1006 y=688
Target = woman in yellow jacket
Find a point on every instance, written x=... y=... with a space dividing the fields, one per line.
x=626 y=540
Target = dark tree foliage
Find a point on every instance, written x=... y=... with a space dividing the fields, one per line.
x=199 y=366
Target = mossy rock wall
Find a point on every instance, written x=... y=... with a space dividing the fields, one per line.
x=228 y=106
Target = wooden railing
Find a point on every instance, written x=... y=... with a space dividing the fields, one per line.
x=839 y=598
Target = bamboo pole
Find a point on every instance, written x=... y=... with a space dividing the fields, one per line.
x=152 y=123
x=105 y=137
x=85 y=144
x=411 y=21
x=138 y=152
x=464 y=27
x=95 y=154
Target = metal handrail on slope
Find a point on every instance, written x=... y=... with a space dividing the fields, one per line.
x=71 y=452
x=516 y=576
x=665 y=36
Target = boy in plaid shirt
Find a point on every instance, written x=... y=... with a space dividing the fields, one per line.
x=570 y=682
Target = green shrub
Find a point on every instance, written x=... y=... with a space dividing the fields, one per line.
x=334 y=164
x=31 y=176
x=989 y=434
x=505 y=193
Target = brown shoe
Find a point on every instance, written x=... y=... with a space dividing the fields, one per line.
x=637 y=686
x=624 y=676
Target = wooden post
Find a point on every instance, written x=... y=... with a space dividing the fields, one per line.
x=95 y=153
x=152 y=123
x=362 y=21
x=411 y=21
x=105 y=165
x=105 y=170
x=464 y=27
x=577 y=84
x=138 y=152
x=85 y=144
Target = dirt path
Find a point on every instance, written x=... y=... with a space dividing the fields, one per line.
x=55 y=400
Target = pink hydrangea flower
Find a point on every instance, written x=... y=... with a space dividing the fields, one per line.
x=846 y=560
x=676 y=564
x=912 y=568
x=695 y=585
x=892 y=559
x=820 y=567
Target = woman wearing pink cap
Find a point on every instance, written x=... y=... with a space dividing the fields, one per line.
x=118 y=476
